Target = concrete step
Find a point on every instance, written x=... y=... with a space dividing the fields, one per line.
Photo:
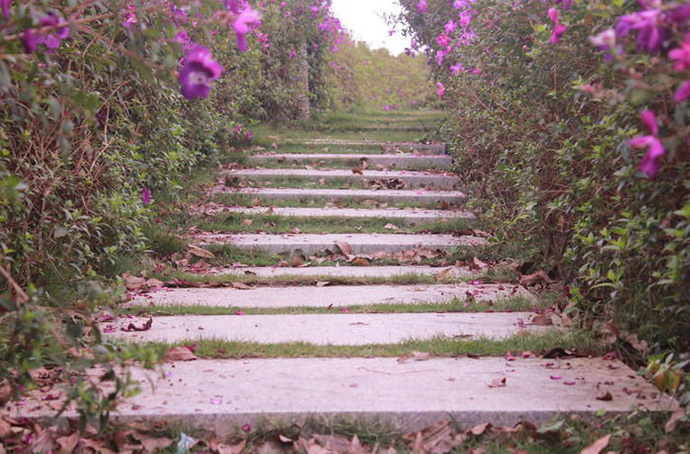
x=354 y=159
x=348 y=271
x=411 y=178
x=219 y=395
x=327 y=329
x=360 y=243
x=436 y=148
x=335 y=296
x=408 y=217
x=383 y=195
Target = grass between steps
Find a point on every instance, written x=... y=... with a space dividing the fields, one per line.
x=582 y=342
x=251 y=200
x=325 y=164
x=500 y=275
x=225 y=255
x=261 y=181
x=456 y=305
x=237 y=223
x=266 y=135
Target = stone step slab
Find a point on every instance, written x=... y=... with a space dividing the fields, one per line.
x=332 y=296
x=219 y=395
x=411 y=178
x=326 y=329
x=383 y=195
x=386 y=160
x=346 y=271
x=435 y=148
x=360 y=243
x=404 y=217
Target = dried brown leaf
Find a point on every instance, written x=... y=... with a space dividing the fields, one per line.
x=540 y=277
x=322 y=284
x=231 y=449
x=67 y=444
x=241 y=286
x=542 y=320
x=179 y=354
x=480 y=429
x=498 y=383
x=605 y=397
x=132 y=327
x=345 y=248
x=357 y=171
x=414 y=356
x=200 y=252
x=247 y=222
x=360 y=262
x=597 y=446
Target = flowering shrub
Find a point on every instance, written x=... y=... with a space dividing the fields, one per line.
x=570 y=119
x=105 y=104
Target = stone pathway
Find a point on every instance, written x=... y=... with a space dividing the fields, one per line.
x=412 y=390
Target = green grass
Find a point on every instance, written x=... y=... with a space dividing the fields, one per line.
x=233 y=223
x=511 y=305
x=323 y=164
x=294 y=182
x=251 y=200
x=265 y=135
x=581 y=342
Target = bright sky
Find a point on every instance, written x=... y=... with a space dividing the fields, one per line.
x=363 y=19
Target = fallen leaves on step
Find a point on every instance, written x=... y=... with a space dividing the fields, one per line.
x=140 y=284
x=597 y=446
x=145 y=327
x=498 y=383
x=357 y=171
x=445 y=274
x=435 y=439
x=542 y=320
x=241 y=286
x=247 y=222
x=200 y=252
x=179 y=354
x=539 y=277
x=414 y=356
x=345 y=248
x=605 y=397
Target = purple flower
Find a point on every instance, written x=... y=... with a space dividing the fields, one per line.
x=421 y=6
x=457 y=69
x=683 y=92
x=183 y=38
x=655 y=149
x=649 y=120
x=681 y=56
x=441 y=89
x=450 y=27
x=198 y=72
x=606 y=41
x=650 y=33
x=145 y=195
x=5 y=4
x=30 y=40
x=246 y=20
x=558 y=29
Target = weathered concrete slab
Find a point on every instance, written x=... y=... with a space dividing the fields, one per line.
x=360 y=243
x=386 y=146
x=328 y=329
x=222 y=394
x=335 y=296
x=386 y=160
x=409 y=177
x=383 y=195
x=348 y=271
x=403 y=217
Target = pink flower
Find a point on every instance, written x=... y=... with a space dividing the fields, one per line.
x=649 y=120
x=198 y=72
x=683 y=92
x=421 y=6
x=681 y=55
x=440 y=90
x=450 y=27
x=558 y=29
x=655 y=149
x=245 y=22
x=145 y=195
x=5 y=4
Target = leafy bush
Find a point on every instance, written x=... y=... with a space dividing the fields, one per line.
x=543 y=121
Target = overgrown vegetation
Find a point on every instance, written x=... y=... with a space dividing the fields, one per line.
x=542 y=121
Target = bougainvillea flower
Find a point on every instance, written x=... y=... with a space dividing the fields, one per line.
x=244 y=23
x=450 y=27
x=650 y=33
x=558 y=28
x=5 y=4
x=649 y=120
x=421 y=6
x=440 y=90
x=30 y=40
x=681 y=56
x=457 y=69
x=198 y=72
x=683 y=92
x=606 y=42
x=146 y=195
x=655 y=149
